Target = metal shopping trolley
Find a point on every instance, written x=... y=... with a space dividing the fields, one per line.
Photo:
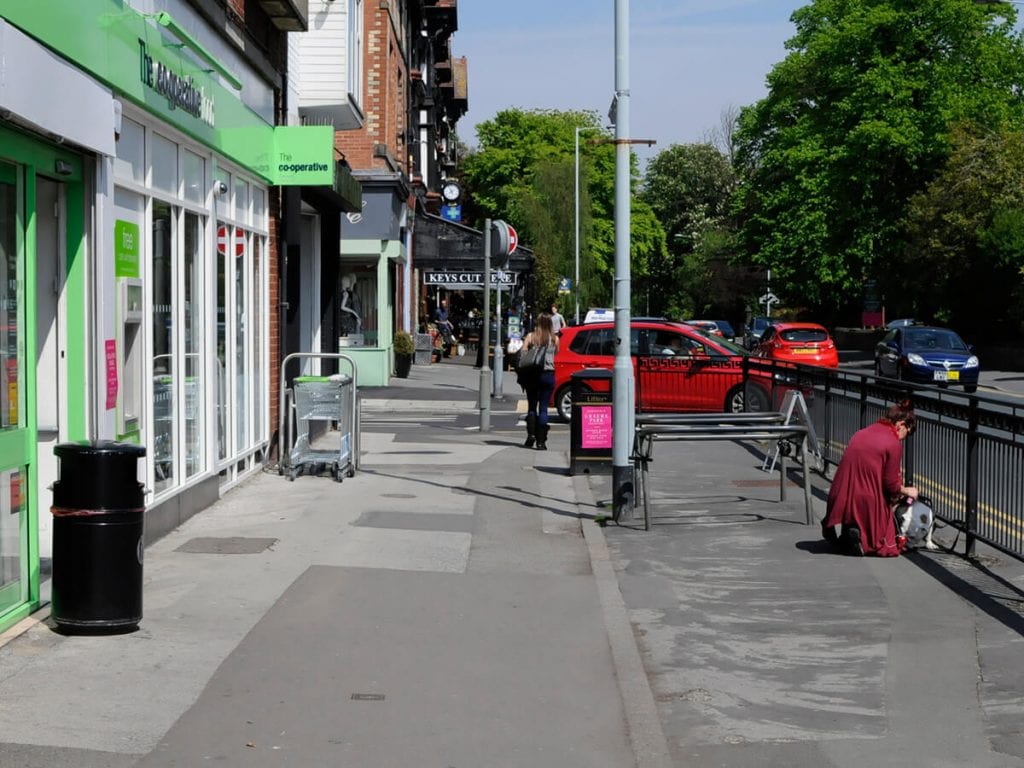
x=322 y=410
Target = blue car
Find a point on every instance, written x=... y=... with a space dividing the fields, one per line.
x=927 y=355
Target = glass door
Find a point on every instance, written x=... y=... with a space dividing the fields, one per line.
x=14 y=527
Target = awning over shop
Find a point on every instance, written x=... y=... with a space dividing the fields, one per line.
x=440 y=245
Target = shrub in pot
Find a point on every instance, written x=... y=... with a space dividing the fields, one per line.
x=405 y=349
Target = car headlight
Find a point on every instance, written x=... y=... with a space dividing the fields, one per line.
x=915 y=359
x=972 y=362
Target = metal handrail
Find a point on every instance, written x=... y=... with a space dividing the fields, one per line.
x=650 y=429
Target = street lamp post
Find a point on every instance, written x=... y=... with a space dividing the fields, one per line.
x=576 y=284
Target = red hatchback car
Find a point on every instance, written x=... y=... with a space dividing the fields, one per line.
x=807 y=343
x=676 y=367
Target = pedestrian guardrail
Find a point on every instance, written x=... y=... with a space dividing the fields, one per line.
x=965 y=455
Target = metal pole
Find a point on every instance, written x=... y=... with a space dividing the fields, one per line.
x=622 y=373
x=576 y=283
x=499 y=354
x=485 y=334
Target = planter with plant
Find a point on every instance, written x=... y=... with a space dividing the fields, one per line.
x=405 y=349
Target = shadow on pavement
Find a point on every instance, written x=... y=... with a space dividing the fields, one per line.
x=975 y=582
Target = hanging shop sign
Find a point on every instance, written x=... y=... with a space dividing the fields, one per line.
x=468 y=279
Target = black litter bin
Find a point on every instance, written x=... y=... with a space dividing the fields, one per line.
x=590 y=443
x=98 y=514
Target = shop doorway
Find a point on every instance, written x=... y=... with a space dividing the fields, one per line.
x=51 y=353
x=310 y=322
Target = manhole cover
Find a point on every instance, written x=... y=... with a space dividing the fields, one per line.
x=226 y=545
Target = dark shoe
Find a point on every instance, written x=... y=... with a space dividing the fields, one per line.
x=851 y=535
x=542 y=437
x=829 y=534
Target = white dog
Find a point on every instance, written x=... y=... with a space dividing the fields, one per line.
x=916 y=521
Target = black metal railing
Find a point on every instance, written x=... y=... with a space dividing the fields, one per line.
x=966 y=454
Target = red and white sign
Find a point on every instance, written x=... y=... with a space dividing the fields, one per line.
x=513 y=239
x=222 y=241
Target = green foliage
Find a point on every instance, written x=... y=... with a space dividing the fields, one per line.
x=689 y=187
x=965 y=247
x=403 y=343
x=524 y=173
x=857 y=121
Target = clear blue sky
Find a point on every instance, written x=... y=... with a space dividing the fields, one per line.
x=689 y=59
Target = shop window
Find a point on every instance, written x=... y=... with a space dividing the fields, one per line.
x=194 y=169
x=222 y=351
x=259 y=209
x=130 y=162
x=259 y=405
x=241 y=349
x=162 y=287
x=13 y=585
x=195 y=443
x=241 y=200
x=357 y=304
x=165 y=164
x=12 y=395
x=222 y=193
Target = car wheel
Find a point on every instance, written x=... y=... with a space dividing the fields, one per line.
x=970 y=389
x=735 y=401
x=563 y=403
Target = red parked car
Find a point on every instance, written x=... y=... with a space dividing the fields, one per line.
x=807 y=343
x=676 y=368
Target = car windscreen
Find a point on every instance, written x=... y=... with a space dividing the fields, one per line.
x=728 y=348
x=933 y=338
x=725 y=328
x=804 y=335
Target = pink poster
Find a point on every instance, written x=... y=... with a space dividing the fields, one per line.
x=111 y=347
x=596 y=426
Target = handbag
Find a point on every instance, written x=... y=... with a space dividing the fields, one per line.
x=531 y=360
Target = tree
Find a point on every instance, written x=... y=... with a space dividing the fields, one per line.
x=524 y=172
x=857 y=121
x=689 y=188
x=965 y=246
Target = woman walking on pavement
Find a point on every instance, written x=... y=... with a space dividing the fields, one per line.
x=539 y=385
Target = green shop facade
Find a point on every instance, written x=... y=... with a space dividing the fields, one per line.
x=137 y=163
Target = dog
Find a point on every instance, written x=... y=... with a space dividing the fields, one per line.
x=915 y=521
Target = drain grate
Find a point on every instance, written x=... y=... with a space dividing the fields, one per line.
x=367 y=697
x=226 y=545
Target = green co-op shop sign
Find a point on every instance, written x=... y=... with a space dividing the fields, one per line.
x=151 y=65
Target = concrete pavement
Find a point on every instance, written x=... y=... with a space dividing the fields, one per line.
x=454 y=604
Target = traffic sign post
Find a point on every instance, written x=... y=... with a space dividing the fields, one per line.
x=768 y=299
x=503 y=241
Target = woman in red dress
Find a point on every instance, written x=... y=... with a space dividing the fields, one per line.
x=868 y=481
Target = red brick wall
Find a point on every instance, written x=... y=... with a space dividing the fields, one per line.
x=274 y=308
